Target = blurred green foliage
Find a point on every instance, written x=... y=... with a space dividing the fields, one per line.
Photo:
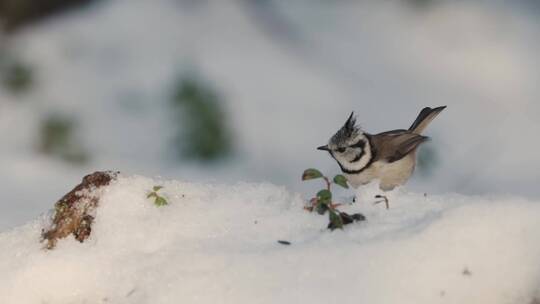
x=203 y=133
x=16 y=77
x=57 y=139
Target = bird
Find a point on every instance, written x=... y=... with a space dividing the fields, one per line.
x=389 y=157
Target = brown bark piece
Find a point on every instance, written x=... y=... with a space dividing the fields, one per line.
x=74 y=213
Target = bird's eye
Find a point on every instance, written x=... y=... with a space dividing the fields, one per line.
x=340 y=150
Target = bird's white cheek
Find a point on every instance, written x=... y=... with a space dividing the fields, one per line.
x=340 y=157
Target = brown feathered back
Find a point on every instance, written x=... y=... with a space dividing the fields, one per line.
x=394 y=145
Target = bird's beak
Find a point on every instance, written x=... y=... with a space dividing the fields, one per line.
x=323 y=148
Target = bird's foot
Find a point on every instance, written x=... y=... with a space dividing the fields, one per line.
x=382 y=198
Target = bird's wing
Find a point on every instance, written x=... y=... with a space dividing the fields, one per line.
x=396 y=144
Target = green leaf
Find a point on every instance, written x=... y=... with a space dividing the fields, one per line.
x=160 y=201
x=336 y=222
x=157 y=188
x=311 y=174
x=151 y=194
x=321 y=208
x=341 y=181
x=324 y=196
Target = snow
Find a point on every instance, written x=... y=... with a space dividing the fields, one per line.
x=217 y=243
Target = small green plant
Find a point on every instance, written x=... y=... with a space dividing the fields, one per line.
x=322 y=202
x=158 y=199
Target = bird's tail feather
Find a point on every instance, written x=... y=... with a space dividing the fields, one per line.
x=424 y=118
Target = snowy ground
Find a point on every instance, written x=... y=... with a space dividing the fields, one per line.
x=218 y=244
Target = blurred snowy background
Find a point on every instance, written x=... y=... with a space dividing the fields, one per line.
x=230 y=91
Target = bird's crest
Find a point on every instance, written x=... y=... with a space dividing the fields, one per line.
x=348 y=131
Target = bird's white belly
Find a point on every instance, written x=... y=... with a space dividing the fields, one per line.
x=389 y=174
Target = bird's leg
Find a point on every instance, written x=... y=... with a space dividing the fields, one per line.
x=383 y=199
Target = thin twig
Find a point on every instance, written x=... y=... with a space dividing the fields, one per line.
x=328 y=183
x=314 y=200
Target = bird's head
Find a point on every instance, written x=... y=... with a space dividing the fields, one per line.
x=350 y=147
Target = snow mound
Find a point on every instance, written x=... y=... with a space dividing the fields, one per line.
x=218 y=244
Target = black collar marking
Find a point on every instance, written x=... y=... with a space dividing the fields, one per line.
x=371 y=159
